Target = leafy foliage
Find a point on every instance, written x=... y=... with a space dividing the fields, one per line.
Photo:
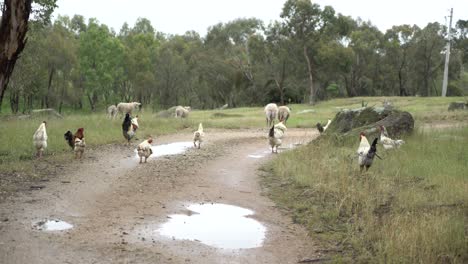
x=309 y=54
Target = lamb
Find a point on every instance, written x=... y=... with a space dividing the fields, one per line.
x=283 y=113
x=271 y=112
x=112 y=111
x=182 y=111
x=198 y=136
x=125 y=108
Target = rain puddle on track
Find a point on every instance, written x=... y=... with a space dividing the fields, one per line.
x=263 y=154
x=217 y=225
x=168 y=149
x=52 y=225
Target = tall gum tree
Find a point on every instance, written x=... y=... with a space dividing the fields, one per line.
x=13 y=28
x=305 y=23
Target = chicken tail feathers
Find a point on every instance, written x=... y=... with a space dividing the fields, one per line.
x=319 y=127
x=272 y=132
x=200 y=127
x=70 y=139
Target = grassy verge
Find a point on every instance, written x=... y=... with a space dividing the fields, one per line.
x=411 y=207
x=16 y=134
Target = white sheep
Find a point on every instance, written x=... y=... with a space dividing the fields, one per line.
x=112 y=111
x=127 y=107
x=271 y=111
x=182 y=111
x=283 y=113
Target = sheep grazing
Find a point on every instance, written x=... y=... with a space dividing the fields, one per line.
x=271 y=112
x=182 y=111
x=283 y=113
x=112 y=111
x=125 y=108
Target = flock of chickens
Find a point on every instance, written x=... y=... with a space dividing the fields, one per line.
x=129 y=127
x=75 y=141
x=366 y=152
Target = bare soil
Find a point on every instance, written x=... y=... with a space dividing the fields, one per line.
x=116 y=204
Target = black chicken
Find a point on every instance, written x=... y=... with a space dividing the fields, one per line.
x=127 y=129
x=70 y=139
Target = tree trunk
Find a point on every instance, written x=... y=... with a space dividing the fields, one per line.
x=62 y=96
x=13 y=28
x=49 y=85
x=280 y=83
x=311 y=80
x=14 y=102
x=93 y=101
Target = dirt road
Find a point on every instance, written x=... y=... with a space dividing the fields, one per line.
x=117 y=206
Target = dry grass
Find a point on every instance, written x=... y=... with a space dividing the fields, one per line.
x=411 y=207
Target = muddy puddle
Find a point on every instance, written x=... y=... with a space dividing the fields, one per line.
x=52 y=225
x=216 y=225
x=264 y=153
x=168 y=149
x=255 y=156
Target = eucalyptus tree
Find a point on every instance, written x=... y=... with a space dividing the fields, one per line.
x=140 y=48
x=279 y=62
x=427 y=59
x=100 y=61
x=461 y=40
x=399 y=41
x=366 y=46
x=306 y=24
x=171 y=71
x=13 y=28
x=230 y=43
x=334 y=57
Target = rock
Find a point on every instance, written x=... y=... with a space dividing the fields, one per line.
x=224 y=107
x=367 y=119
x=47 y=111
x=457 y=106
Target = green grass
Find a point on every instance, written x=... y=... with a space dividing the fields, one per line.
x=411 y=207
x=16 y=134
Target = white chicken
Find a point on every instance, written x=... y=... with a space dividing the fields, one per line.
x=135 y=124
x=144 y=149
x=366 y=152
x=40 y=139
x=387 y=142
x=79 y=147
x=198 y=136
x=275 y=136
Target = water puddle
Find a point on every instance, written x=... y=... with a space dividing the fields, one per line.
x=253 y=156
x=52 y=225
x=217 y=225
x=168 y=149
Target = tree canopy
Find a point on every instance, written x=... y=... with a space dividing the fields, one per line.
x=310 y=53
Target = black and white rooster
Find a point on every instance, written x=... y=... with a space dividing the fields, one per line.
x=275 y=135
x=366 y=152
x=127 y=128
